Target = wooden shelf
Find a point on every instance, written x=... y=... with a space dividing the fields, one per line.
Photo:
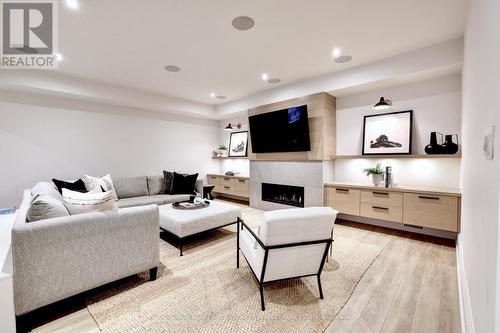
x=340 y=157
x=230 y=158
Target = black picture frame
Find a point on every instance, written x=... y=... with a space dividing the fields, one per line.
x=230 y=153
x=410 y=138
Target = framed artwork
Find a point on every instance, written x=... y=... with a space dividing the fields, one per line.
x=238 y=144
x=388 y=133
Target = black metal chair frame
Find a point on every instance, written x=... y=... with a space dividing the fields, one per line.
x=267 y=249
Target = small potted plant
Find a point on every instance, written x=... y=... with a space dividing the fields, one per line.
x=377 y=173
x=222 y=150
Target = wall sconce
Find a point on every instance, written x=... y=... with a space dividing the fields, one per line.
x=229 y=127
x=383 y=104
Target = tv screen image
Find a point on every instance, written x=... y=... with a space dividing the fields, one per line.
x=285 y=130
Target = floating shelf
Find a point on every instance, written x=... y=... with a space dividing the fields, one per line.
x=340 y=157
x=230 y=158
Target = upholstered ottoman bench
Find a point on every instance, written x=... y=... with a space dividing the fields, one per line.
x=183 y=223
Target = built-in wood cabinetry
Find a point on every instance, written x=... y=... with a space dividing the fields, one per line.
x=411 y=206
x=230 y=185
x=321 y=111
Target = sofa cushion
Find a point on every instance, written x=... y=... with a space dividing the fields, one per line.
x=156 y=184
x=171 y=198
x=128 y=187
x=92 y=201
x=184 y=184
x=45 y=207
x=139 y=201
x=78 y=185
x=45 y=188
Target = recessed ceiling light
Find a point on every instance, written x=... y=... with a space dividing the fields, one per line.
x=59 y=56
x=274 y=80
x=172 y=68
x=336 y=52
x=343 y=59
x=72 y=4
x=212 y=95
x=221 y=97
x=243 y=23
x=265 y=76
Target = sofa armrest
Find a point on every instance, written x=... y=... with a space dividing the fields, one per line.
x=60 y=257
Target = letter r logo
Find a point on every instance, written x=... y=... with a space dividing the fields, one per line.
x=27 y=28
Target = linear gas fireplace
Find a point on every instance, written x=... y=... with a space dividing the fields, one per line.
x=283 y=194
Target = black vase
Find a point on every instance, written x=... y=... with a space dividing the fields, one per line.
x=433 y=147
x=449 y=147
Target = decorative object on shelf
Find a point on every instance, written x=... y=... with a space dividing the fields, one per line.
x=377 y=174
x=433 y=147
x=229 y=173
x=222 y=150
x=388 y=176
x=229 y=127
x=488 y=143
x=388 y=133
x=382 y=104
x=449 y=147
x=238 y=142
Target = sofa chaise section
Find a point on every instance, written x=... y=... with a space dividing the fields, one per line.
x=60 y=257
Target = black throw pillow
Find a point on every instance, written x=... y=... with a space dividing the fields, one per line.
x=169 y=177
x=184 y=184
x=78 y=186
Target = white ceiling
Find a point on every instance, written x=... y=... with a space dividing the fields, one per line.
x=127 y=42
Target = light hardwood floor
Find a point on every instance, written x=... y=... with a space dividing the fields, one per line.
x=410 y=287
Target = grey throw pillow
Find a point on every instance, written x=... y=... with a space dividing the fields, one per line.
x=169 y=180
x=45 y=207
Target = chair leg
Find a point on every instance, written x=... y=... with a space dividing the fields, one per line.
x=238 y=244
x=319 y=286
x=153 y=273
x=262 y=304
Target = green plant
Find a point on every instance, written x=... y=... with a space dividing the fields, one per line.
x=222 y=147
x=377 y=170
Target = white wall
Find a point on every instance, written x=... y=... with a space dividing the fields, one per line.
x=479 y=238
x=39 y=143
x=436 y=106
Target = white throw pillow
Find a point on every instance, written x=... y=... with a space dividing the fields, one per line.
x=45 y=207
x=92 y=201
x=95 y=182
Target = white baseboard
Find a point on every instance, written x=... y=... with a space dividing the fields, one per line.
x=467 y=321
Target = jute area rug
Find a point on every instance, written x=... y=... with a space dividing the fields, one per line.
x=204 y=292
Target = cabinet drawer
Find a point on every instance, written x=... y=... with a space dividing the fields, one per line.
x=431 y=211
x=240 y=187
x=382 y=212
x=382 y=198
x=214 y=180
x=227 y=189
x=345 y=200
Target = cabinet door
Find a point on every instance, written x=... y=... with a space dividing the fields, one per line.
x=214 y=180
x=345 y=200
x=240 y=187
x=431 y=211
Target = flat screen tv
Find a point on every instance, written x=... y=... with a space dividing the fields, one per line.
x=285 y=130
